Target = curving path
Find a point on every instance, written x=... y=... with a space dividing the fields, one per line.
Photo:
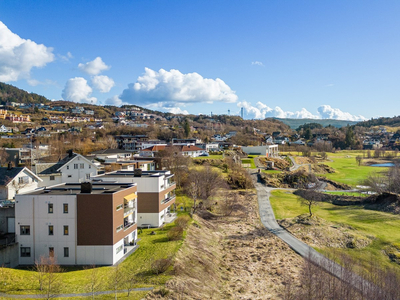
x=268 y=220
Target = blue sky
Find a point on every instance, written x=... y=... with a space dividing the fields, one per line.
x=328 y=59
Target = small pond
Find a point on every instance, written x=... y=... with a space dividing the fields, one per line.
x=383 y=165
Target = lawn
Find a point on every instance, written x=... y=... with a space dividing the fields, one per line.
x=249 y=161
x=151 y=248
x=380 y=225
x=346 y=168
x=355 y=194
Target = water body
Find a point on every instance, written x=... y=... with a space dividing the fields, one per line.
x=383 y=165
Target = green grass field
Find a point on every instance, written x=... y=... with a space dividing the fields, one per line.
x=249 y=161
x=383 y=227
x=355 y=194
x=210 y=157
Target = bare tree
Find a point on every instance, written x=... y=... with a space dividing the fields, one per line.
x=310 y=199
x=94 y=279
x=116 y=280
x=173 y=160
x=3 y=157
x=359 y=159
x=48 y=272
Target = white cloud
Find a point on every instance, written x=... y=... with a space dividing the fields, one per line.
x=327 y=112
x=94 y=67
x=18 y=56
x=66 y=57
x=175 y=87
x=102 y=83
x=177 y=110
x=77 y=90
x=261 y=111
x=114 y=101
x=257 y=63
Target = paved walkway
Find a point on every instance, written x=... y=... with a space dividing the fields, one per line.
x=11 y=296
x=268 y=220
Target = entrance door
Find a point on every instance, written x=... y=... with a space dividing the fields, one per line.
x=11 y=225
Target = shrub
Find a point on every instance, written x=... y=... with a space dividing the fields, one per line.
x=161 y=265
x=175 y=233
x=182 y=221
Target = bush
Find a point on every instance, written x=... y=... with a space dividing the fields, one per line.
x=182 y=221
x=175 y=233
x=161 y=265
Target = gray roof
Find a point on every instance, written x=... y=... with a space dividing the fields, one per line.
x=111 y=151
x=7 y=175
x=52 y=168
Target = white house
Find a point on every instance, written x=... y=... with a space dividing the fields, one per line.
x=268 y=150
x=72 y=168
x=16 y=180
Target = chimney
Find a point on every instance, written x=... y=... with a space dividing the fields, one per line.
x=70 y=152
x=86 y=187
x=137 y=173
x=9 y=166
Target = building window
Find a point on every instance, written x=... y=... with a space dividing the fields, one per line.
x=50 y=208
x=25 y=230
x=90 y=166
x=67 y=167
x=51 y=230
x=52 y=177
x=120 y=207
x=69 y=176
x=119 y=249
x=65 y=208
x=82 y=166
x=75 y=166
x=51 y=251
x=65 y=229
x=87 y=176
x=66 y=252
x=119 y=228
x=25 y=251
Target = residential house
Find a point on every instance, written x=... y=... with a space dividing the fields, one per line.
x=156 y=194
x=71 y=169
x=16 y=180
x=268 y=150
x=77 y=223
x=192 y=151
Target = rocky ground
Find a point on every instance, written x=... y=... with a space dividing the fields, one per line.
x=232 y=257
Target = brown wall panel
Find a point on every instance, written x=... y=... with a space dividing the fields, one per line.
x=148 y=202
x=118 y=216
x=94 y=219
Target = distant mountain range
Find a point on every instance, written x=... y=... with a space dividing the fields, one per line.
x=295 y=123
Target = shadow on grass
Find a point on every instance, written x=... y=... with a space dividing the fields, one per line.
x=160 y=240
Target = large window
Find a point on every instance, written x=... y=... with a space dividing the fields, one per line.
x=25 y=230
x=25 y=251
x=75 y=166
x=82 y=166
x=50 y=208
x=51 y=251
x=65 y=229
x=65 y=208
x=51 y=230
x=66 y=252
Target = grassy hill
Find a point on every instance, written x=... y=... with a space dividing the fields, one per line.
x=9 y=93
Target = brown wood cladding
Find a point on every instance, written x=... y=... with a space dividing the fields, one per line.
x=97 y=218
x=94 y=219
x=151 y=202
x=118 y=217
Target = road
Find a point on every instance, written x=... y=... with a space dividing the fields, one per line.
x=268 y=220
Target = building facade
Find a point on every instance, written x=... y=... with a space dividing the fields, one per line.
x=78 y=224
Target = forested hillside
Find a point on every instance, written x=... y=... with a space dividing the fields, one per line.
x=384 y=121
x=9 y=93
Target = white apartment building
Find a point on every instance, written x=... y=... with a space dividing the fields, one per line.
x=78 y=224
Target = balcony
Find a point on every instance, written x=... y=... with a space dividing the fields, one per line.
x=128 y=225
x=168 y=199
x=128 y=212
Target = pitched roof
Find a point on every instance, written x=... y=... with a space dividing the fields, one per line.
x=53 y=168
x=7 y=175
x=111 y=151
x=191 y=148
x=155 y=148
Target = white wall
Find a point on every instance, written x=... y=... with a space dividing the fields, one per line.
x=47 y=182
x=94 y=255
x=154 y=219
x=70 y=174
x=33 y=210
x=23 y=187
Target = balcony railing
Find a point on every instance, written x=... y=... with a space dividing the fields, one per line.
x=168 y=199
x=128 y=225
x=128 y=211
